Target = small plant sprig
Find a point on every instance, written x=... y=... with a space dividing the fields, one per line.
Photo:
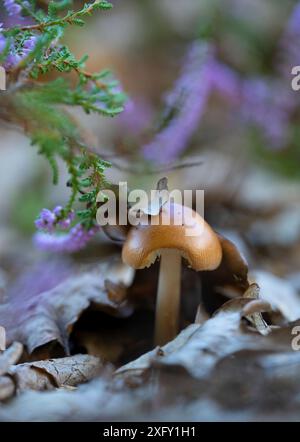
x=29 y=50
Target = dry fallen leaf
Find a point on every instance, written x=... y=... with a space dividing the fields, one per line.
x=198 y=347
x=254 y=309
x=201 y=315
x=257 y=382
x=279 y=293
x=7 y=359
x=49 y=316
x=255 y=376
x=54 y=373
x=233 y=270
x=7 y=388
x=10 y=357
x=229 y=280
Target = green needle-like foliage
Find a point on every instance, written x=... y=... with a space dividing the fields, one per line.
x=41 y=108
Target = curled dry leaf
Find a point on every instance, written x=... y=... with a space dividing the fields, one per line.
x=158 y=198
x=49 y=315
x=10 y=357
x=257 y=381
x=115 y=292
x=233 y=271
x=7 y=359
x=144 y=362
x=54 y=373
x=282 y=296
x=256 y=306
x=263 y=372
x=198 y=347
x=201 y=315
x=254 y=309
x=7 y=388
x=242 y=385
x=229 y=280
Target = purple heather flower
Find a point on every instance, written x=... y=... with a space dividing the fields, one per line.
x=2 y=38
x=187 y=100
x=263 y=102
x=289 y=54
x=73 y=241
x=29 y=44
x=46 y=220
x=12 y=60
x=2 y=42
x=58 y=211
x=12 y=7
x=14 y=57
x=267 y=105
x=136 y=117
x=66 y=222
x=226 y=82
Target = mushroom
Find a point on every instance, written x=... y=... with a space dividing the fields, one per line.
x=193 y=239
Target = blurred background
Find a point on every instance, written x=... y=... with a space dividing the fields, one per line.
x=210 y=105
x=209 y=86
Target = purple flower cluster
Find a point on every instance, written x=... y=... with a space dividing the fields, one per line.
x=188 y=100
x=15 y=56
x=267 y=105
x=259 y=101
x=12 y=7
x=49 y=220
x=225 y=81
x=16 y=53
x=73 y=241
x=2 y=39
x=289 y=54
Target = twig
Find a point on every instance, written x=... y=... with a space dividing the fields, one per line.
x=67 y=19
x=152 y=171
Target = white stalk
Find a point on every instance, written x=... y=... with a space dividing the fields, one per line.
x=168 y=297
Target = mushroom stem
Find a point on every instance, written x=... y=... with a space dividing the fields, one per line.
x=168 y=297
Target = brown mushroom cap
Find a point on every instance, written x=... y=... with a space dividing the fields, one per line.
x=202 y=250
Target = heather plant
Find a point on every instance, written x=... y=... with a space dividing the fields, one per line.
x=263 y=102
x=31 y=47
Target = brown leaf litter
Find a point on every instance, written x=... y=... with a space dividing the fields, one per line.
x=49 y=316
x=43 y=375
